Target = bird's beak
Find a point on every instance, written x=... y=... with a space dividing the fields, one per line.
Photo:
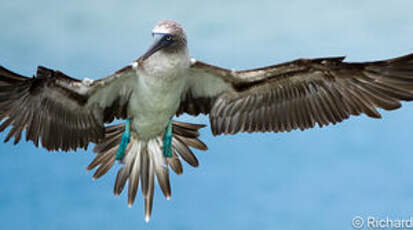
x=157 y=45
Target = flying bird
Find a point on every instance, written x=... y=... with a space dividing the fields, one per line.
x=61 y=113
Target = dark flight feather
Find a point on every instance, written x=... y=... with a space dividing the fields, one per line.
x=297 y=94
x=60 y=112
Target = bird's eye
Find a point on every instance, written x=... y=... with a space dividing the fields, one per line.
x=169 y=37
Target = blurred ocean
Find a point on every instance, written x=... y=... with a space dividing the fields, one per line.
x=317 y=179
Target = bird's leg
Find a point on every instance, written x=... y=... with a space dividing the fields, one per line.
x=124 y=141
x=167 y=140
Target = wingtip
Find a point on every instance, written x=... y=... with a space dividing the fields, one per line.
x=203 y=147
x=196 y=164
x=147 y=218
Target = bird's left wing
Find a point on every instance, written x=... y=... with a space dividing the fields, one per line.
x=60 y=112
x=297 y=94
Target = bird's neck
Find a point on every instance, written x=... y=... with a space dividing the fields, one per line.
x=166 y=64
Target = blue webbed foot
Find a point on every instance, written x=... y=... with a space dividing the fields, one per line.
x=124 y=141
x=167 y=140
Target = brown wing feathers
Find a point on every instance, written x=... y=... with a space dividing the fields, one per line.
x=301 y=94
x=47 y=109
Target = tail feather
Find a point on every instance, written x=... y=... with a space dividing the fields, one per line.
x=134 y=159
x=182 y=149
x=107 y=162
x=111 y=138
x=175 y=164
x=186 y=129
x=194 y=142
x=120 y=181
x=123 y=173
x=148 y=195
x=160 y=165
x=144 y=159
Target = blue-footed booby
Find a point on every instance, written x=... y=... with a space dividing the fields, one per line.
x=61 y=113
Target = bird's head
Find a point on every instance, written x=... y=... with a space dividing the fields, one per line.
x=169 y=37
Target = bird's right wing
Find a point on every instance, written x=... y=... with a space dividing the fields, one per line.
x=297 y=94
x=61 y=112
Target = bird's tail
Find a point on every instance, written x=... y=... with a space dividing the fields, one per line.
x=144 y=159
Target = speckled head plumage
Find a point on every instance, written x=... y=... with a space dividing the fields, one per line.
x=170 y=27
x=169 y=37
x=175 y=30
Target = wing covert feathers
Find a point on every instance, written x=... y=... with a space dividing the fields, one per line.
x=60 y=112
x=50 y=107
x=309 y=92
